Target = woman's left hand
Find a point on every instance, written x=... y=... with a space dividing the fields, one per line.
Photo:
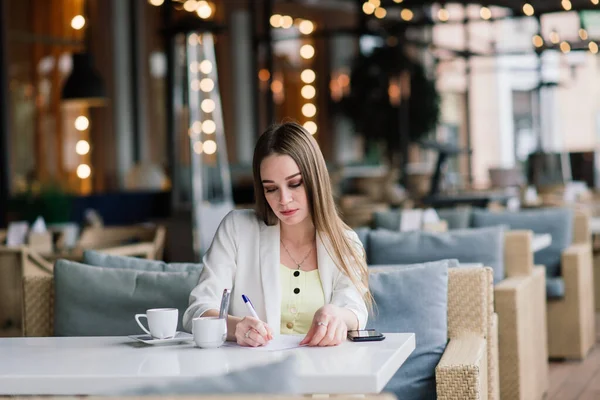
x=328 y=328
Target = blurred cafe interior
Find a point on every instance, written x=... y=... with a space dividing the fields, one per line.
x=128 y=126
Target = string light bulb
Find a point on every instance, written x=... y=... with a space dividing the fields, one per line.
x=209 y=147
x=380 y=12
x=528 y=9
x=84 y=171
x=583 y=34
x=566 y=4
x=275 y=21
x=82 y=147
x=485 y=13
x=307 y=51
x=311 y=127
x=407 y=15
x=82 y=123
x=306 y=27
x=593 y=47
x=78 y=22
x=309 y=110
x=443 y=14
x=538 y=41
x=204 y=10
x=368 y=8
x=554 y=37
x=565 y=47
x=308 y=76
x=595 y=2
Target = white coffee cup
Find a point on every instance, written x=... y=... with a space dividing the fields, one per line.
x=209 y=332
x=162 y=322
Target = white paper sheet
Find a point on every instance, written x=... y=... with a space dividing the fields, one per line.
x=279 y=343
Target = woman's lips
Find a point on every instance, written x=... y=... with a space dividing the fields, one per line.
x=289 y=213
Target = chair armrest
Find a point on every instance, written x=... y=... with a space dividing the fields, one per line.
x=518 y=253
x=38 y=309
x=582 y=232
x=462 y=371
x=145 y=250
x=577 y=269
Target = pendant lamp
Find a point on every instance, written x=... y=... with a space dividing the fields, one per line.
x=84 y=86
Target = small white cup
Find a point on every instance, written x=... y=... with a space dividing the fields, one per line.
x=209 y=332
x=162 y=322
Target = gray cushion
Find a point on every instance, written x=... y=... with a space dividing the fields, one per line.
x=363 y=234
x=558 y=222
x=387 y=220
x=413 y=298
x=99 y=301
x=555 y=288
x=457 y=218
x=485 y=245
x=275 y=378
x=99 y=259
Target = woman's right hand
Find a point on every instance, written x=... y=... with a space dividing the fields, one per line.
x=252 y=332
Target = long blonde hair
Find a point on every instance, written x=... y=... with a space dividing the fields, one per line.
x=293 y=140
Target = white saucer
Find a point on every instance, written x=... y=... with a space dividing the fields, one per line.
x=178 y=338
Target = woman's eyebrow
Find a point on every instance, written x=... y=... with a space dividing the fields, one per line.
x=287 y=178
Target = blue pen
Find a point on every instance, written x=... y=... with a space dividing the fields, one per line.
x=250 y=306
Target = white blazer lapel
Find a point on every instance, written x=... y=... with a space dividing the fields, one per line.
x=269 y=271
x=326 y=269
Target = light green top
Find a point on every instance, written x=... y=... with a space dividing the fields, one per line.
x=301 y=296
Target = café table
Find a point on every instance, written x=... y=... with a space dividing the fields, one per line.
x=93 y=365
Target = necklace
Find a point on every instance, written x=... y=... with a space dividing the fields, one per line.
x=298 y=264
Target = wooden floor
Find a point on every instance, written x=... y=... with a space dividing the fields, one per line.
x=571 y=380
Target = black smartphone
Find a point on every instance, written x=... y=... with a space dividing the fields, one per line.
x=366 y=335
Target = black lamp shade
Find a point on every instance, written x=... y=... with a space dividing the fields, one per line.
x=84 y=86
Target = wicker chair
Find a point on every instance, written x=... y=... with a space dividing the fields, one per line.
x=461 y=374
x=146 y=241
x=520 y=304
x=24 y=268
x=15 y=264
x=149 y=240
x=571 y=320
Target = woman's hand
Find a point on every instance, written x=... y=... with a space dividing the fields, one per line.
x=252 y=332
x=328 y=327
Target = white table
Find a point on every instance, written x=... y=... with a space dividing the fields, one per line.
x=86 y=366
x=541 y=241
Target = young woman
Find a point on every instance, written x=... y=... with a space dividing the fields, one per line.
x=302 y=268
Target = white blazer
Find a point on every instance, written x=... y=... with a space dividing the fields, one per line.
x=244 y=257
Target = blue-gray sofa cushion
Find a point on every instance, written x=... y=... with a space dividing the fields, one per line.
x=484 y=245
x=558 y=222
x=555 y=288
x=387 y=220
x=457 y=218
x=413 y=298
x=100 y=301
x=99 y=259
x=363 y=234
x=275 y=378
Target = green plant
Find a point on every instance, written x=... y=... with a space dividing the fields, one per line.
x=369 y=107
x=49 y=201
